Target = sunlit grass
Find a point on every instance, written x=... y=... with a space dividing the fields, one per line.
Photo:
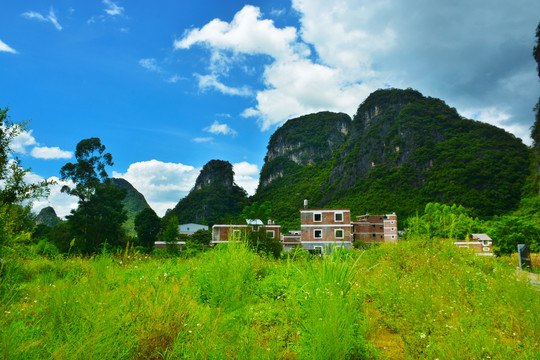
x=414 y=300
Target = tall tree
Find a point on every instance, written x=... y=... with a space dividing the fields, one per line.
x=100 y=213
x=89 y=170
x=147 y=226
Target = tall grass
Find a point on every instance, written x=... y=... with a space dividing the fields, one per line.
x=414 y=300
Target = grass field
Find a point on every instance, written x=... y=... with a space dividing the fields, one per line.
x=414 y=300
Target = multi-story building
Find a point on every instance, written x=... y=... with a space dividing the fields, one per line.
x=375 y=228
x=325 y=228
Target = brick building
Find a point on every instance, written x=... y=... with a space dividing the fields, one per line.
x=221 y=232
x=322 y=228
x=375 y=228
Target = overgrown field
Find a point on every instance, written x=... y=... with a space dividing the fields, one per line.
x=414 y=300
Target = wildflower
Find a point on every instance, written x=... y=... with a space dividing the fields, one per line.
x=422 y=336
x=165 y=274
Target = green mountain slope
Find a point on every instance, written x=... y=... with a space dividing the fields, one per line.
x=401 y=150
x=133 y=203
x=215 y=198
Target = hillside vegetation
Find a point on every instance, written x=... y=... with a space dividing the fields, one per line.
x=401 y=151
x=421 y=299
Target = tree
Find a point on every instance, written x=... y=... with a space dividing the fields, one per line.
x=100 y=214
x=258 y=210
x=147 y=226
x=99 y=219
x=171 y=235
x=89 y=171
x=201 y=236
x=16 y=220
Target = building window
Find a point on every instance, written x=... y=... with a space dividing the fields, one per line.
x=237 y=234
x=317 y=217
x=270 y=234
x=339 y=234
x=338 y=217
x=393 y=236
x=392 y=229
x=485 y=242
x=486 y=249
x=317 y=234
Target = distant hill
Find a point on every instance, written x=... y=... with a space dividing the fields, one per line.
x=133 y=203
x=400 y=151
x=47 y=216
x=214 y=198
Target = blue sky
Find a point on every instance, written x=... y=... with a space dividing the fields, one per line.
x=170 y=85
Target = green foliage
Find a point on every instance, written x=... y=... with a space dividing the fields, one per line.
x=99 y=220
x=134 y=203
x=147 y=226
x=442 y=221
x=210 y=205
x=508 y=231
x=203 y=237
x=89 y=171
x=261 y=242
x=257 y=211
x=404 y=150
x=403 y=301
x=171 y=236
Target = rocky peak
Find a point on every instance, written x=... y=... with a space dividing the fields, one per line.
x=215 y=171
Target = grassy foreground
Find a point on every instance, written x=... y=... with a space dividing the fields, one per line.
x=414 y=300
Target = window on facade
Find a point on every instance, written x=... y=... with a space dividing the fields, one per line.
x=270 y=233
x=392 y=229
x=339 y=234
x=485 y=242
x=317 y=234
x=317 y=217
x=393 y=236
x=338 y=217
x=237 y=234
x=373 y=235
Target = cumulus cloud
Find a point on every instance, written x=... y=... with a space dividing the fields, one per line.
x=162 y=184
x=22 y=140
x=246 y=33
x=475 y=56
x=6 y=48
x=246 y=175
x=217 y=128
x=50 y=17
x=44 y=152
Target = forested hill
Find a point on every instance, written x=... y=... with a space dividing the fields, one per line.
x=215 y=197
x=134 y=202
x=400 y=151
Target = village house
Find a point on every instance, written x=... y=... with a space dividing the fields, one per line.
x=221 y=233
x=291 y=240
x=481 y=243
x=325 y=228
x=190 y=229
x=375 y=228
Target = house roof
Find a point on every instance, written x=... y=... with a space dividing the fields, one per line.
x=254 y=222
x=481 y=236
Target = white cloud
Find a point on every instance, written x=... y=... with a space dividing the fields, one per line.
x=217 y=128
x=21 y=141
x=112 y=9
x=202 y=139
x=44 y=152
x=150 y=64
x=6 y=48
x=472 y=55
x=174 y=79
x=50 y=17
x=246 y=175
x=246 y=33
x=162 y=184
x=211 y=82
